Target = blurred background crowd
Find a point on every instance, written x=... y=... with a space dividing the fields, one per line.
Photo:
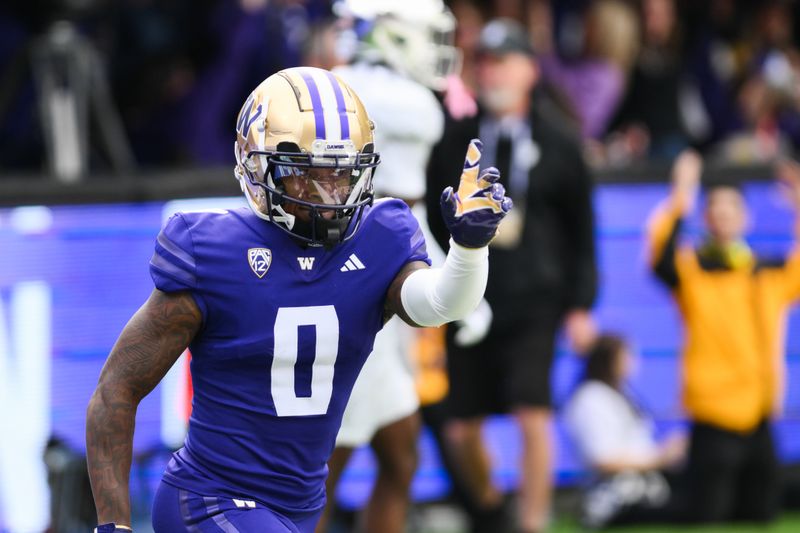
x=641 y=79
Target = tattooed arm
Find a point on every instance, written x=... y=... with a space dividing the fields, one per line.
x=151 y=342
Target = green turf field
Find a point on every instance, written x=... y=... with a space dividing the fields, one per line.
x=788 y=523
x=445 y=518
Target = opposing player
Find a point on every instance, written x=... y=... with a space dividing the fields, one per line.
x=404 y=51
x=280 y=304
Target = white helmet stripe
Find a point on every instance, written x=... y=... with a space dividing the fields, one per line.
x=330 y=109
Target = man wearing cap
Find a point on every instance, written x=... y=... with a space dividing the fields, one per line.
x=542 y=269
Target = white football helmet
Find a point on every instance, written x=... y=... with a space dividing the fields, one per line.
x=413 y=37
x=304 y=145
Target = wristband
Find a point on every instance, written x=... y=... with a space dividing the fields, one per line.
x=111 y=527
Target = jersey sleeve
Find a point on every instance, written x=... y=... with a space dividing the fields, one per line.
x=401 y=231
x=417 y=249
x=663 y=229
x=173 y=266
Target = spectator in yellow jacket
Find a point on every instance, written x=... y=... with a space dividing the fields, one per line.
x=734 y=306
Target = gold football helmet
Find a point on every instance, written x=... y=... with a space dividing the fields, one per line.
x=305 y=155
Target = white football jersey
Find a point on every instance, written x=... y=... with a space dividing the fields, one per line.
x=408 y=122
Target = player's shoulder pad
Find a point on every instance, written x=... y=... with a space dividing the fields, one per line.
x=394 y=216
x=389 y=212
x=184 y=228
x=173 y=265
x=194 y=219
x=212 y=225
x=395 y=222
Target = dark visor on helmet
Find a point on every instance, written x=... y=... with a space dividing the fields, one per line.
x=333 y=188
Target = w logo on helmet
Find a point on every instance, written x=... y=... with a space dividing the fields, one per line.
x=259 y=259
x=247 y=116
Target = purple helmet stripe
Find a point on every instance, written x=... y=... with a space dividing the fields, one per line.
x=337 y=90
x=316 y=102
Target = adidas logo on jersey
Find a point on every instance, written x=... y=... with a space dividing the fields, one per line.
x=352 y=263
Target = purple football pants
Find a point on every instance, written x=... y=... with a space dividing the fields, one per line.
x=180 y=511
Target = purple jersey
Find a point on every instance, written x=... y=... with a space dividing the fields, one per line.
x=286 y=331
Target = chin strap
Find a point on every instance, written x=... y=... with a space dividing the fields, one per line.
x=331 y=232
x=327 y=233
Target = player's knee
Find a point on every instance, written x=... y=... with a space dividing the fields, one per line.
x=534 y=417
x=463 y=432
x=398 y=466
x=535 y=423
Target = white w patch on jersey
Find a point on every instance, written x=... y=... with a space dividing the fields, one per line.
x=306 y=263
x=352 y=263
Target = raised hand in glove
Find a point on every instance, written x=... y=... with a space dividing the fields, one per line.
x=473 y=213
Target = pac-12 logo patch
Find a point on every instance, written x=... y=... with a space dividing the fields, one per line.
x=259 y=259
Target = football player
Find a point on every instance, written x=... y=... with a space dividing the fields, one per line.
x=280 y=304
x=403 y=52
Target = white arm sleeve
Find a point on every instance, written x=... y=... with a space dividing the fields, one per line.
x=434 y=296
